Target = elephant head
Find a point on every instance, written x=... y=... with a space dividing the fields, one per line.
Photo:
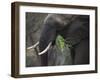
x=53 y=25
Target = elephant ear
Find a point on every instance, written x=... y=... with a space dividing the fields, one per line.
x=60 y=42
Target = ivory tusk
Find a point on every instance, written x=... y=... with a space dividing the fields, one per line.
x=33 y=45
x=46 y=49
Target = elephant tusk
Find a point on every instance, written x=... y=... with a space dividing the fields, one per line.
x=36 y=44
x=46 y=49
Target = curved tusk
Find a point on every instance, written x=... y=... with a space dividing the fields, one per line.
x=33 y=45
x=46 y=49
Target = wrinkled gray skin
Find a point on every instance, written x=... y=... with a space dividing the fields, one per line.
x=74 y=28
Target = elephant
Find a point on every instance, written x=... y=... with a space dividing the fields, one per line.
x=73 y=28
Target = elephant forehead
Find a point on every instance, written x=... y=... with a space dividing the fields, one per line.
x=60 y=20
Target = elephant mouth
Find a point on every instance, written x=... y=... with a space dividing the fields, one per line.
x=42 y=52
